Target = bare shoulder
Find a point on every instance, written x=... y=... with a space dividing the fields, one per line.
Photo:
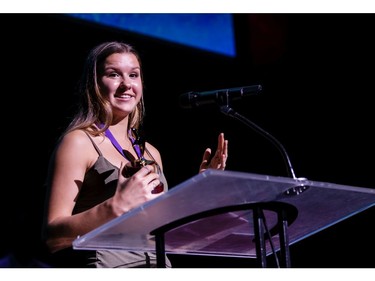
x=75 y=143
x=76 y=138
x=155 y=153
x=153 y=150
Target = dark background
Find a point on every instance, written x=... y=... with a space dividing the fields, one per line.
x=317 y=76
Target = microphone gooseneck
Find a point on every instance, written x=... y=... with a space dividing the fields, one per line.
x=232 y=113
x=222 y=98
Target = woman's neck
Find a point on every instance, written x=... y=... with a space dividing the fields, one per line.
x=120 y=132
x=119 y=128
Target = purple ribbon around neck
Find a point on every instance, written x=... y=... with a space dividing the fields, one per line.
x=135 y=144
x=118 y=146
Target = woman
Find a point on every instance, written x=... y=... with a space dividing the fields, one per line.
x=87 y=180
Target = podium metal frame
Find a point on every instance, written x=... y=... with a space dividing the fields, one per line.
x=286 y=214
x=230 y=213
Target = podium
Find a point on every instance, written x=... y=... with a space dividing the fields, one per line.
x=230 y=213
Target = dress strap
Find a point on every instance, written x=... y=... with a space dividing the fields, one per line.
x=94 y=144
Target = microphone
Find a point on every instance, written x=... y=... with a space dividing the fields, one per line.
x=221 y=97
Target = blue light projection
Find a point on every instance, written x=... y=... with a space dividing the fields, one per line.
x=210 y=32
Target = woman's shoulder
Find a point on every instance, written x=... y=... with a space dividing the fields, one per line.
x=154 y=153
x=76 y=145
x=77 y=139
x=77 y=136
x=152 y=149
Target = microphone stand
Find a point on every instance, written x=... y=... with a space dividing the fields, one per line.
x=232 y=113
x=259 y=218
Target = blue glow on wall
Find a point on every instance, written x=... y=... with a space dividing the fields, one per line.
x=210 y=32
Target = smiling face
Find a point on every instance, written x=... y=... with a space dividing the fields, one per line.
x=120 y=82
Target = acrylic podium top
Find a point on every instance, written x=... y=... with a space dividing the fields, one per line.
x=230 y=233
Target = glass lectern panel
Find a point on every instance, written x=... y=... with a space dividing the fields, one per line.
x=317 y=205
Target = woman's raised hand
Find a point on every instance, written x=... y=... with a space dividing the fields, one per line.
x=219 y=159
